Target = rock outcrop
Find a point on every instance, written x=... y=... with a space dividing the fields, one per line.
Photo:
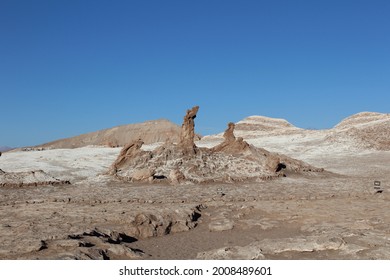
x=114 y=241
x=147 y=225
x=187 y=135
x=231 y=144
x=233 y=160
x=28 y=178
x=95 y=244
x=128 y=153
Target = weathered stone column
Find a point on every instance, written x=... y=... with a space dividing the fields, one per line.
x=187 y=135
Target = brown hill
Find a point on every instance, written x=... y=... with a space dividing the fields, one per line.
x=150 y=132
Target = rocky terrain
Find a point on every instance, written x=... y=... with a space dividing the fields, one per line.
x=330 y=201
x=29 y=178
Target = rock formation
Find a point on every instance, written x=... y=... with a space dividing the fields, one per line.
x=128 y=152
x=231 y=144
x=147 y=225
x=187 y=134
x=232 y=160
x=229 y=133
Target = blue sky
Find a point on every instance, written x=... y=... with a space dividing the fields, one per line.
x=71 y=67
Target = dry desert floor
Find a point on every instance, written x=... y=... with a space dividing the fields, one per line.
x=336 y=214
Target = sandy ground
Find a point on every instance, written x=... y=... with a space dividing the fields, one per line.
x=332 y=215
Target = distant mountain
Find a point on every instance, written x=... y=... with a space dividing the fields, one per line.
x=363 y=119
x=252 y=126
x=366 y=130
x=5 y=149
x=150 y=132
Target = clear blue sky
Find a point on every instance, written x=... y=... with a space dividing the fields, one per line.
x=70 y=67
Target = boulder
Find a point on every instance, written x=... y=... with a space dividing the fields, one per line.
x=144 y=174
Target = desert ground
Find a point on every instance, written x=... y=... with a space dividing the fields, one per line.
x=89 y=214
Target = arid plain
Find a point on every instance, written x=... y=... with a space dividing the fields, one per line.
x=264 y=189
